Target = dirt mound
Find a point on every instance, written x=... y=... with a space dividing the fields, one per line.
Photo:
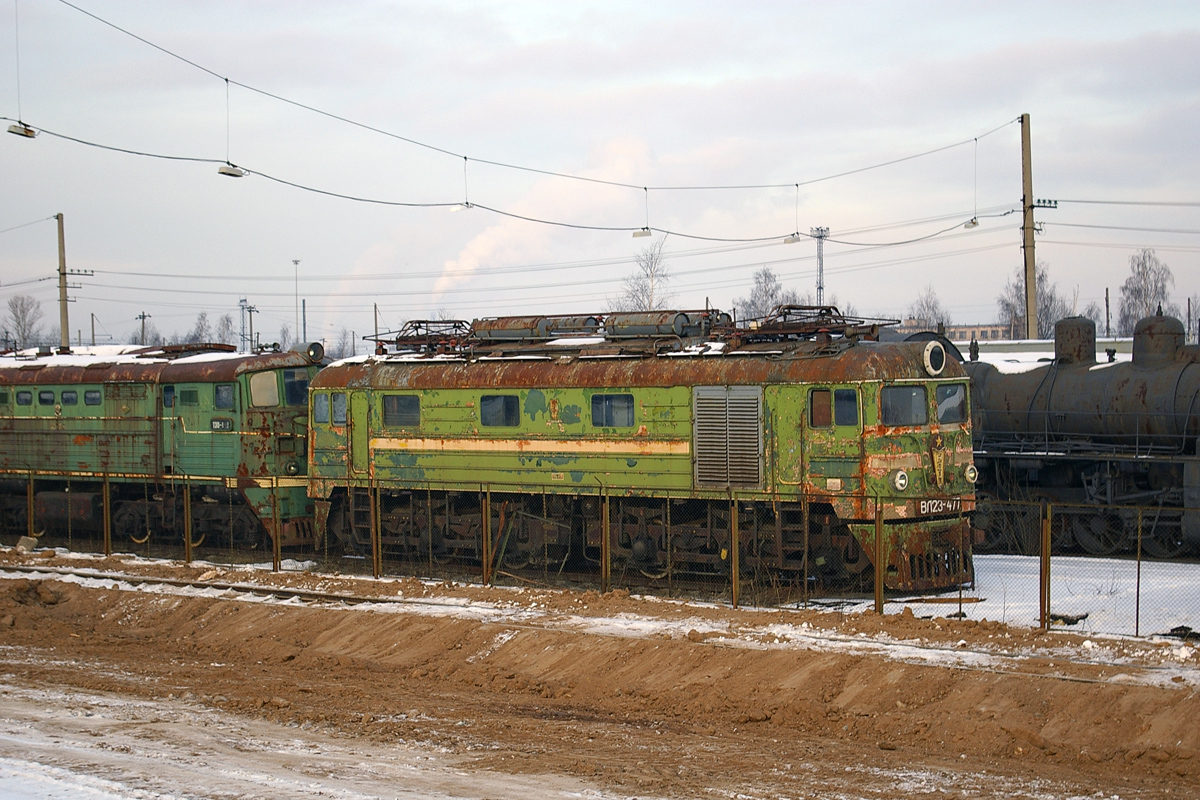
x=671 y=713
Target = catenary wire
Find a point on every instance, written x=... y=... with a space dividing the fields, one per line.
x=507 y=165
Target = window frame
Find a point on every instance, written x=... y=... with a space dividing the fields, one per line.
x=400 y=417
x=839 y=406
x=320 y=408
x=961 y=405
x=93 y=397
x=826 y=420
x=218 y=389
x=510 y=409
x=886 y=391
x=608 y=407
x=73 y=394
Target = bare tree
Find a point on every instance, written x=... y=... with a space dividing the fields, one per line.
x=201 y=331
x=767 y=293
x=23 y=315
x=647 y=288
x=1051 y=307
x=343 y=347
x=224 y=332
x=1096 y=314
x=285 y=337
x=1145 y=291
x=153 y=336
x=927 y=307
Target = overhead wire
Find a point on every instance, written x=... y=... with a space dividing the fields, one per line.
x=509 y=165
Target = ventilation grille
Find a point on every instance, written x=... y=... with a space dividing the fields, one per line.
x=728 y=435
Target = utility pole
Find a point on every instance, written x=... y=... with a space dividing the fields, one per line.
x=250 y=310
x=93 y=330
x=304 y=320
x=376 y=320
x=1107 y=316
x=819 y=234
x=64 y=328
x=143 y=317
x=296 y=265
x=1031 y=321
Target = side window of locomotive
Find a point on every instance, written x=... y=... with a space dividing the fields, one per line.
x=24 y=398
x=339 y=408
x=401 y=410
x=3 y=398
x=45 y=398
x=295 y=387
x=321 y=408
x=903 y=405
x=92 y=397
x=223 y=396
x=168 y=397
x=818 y=408
x=70 y=398
x=951 y=402
x=612 y=410
x=499 y=410
x=264 y=390
x=845 y=407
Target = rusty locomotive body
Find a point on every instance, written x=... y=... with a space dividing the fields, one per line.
x=666 y=444
x=147 y=443
x=1107 y=442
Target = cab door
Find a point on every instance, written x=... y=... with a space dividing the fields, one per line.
x=835 y=442
x=359 y=422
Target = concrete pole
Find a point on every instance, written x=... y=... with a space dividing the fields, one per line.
x=64 y=327
x=1031 y=322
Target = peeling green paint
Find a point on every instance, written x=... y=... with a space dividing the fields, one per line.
x=535 y=403
x=570 y=414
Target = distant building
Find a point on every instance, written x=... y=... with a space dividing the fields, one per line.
x=981 y=332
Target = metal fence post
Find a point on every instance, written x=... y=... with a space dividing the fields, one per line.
x=804 y=522
x=29 y=509
x=376 y=555
x=880 y=569
x=187 y=523
x=734 y=547
x=605 y=546
x=107 y=517
x=486 y=553
x=277 y=539
x=1045 y=566
x=1137 y=592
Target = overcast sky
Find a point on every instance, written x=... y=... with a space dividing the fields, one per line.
x=684 y=94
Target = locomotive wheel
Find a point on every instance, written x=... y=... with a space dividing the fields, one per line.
x=1164 y=541
x=129 y=523
x=246 y=531
x=1099 y=534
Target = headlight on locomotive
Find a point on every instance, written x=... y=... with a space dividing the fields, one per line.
x=971 y=473
x=900 y=480
x=292 y=468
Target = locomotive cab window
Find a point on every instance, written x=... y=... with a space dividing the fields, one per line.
x=223 y=396
x=295 y=387
x=951 y=402
x=264 y=390
x=92 y=397
x=499 y=410
x=168 y=397
x=24 y=398
x=845 y=407
x=45 y=398
x=818 y=408
x=338 y=408
x=401 y=410
x=612 y=410
x=903 y=405
x=70 y=398
x=321 y=408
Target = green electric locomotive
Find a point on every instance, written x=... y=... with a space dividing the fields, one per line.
x=669 y=443
x=148 y=444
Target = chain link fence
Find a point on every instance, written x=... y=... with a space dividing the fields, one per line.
x=1130 y=570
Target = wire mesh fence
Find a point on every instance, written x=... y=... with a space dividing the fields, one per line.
x=1130 y=570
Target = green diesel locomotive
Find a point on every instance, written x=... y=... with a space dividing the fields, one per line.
x=155 y=443
x=669 y=443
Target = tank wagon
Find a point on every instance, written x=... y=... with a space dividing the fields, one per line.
x=1099 y=438
x=153 y=424
x=654 y=442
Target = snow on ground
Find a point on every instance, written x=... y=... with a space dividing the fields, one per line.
x=1006 y=591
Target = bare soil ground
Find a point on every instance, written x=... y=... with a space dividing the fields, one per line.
x=633 y=696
